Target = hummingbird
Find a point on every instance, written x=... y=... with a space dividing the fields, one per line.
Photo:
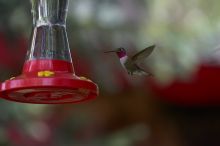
x=131 y=64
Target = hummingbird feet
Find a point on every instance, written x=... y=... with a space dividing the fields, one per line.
x=139 y=73
x=130 y=73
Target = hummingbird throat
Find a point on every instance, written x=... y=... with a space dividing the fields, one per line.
x=121 y=54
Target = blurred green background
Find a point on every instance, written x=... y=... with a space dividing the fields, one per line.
x=127 y=112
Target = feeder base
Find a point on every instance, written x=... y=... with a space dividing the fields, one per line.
x=62 y=88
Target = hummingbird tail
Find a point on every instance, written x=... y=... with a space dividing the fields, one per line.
x=141 y=71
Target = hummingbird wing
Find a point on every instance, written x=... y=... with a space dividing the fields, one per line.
x=143 y=54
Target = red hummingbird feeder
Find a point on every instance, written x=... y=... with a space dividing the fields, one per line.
x=48 y=75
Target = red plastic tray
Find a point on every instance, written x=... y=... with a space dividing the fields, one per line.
x=48 y=82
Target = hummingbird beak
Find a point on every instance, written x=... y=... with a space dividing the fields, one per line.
x=109 y=51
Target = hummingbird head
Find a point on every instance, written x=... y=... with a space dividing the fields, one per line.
x=121 y=52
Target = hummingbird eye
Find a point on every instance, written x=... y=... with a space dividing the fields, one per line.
x=121 y=50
